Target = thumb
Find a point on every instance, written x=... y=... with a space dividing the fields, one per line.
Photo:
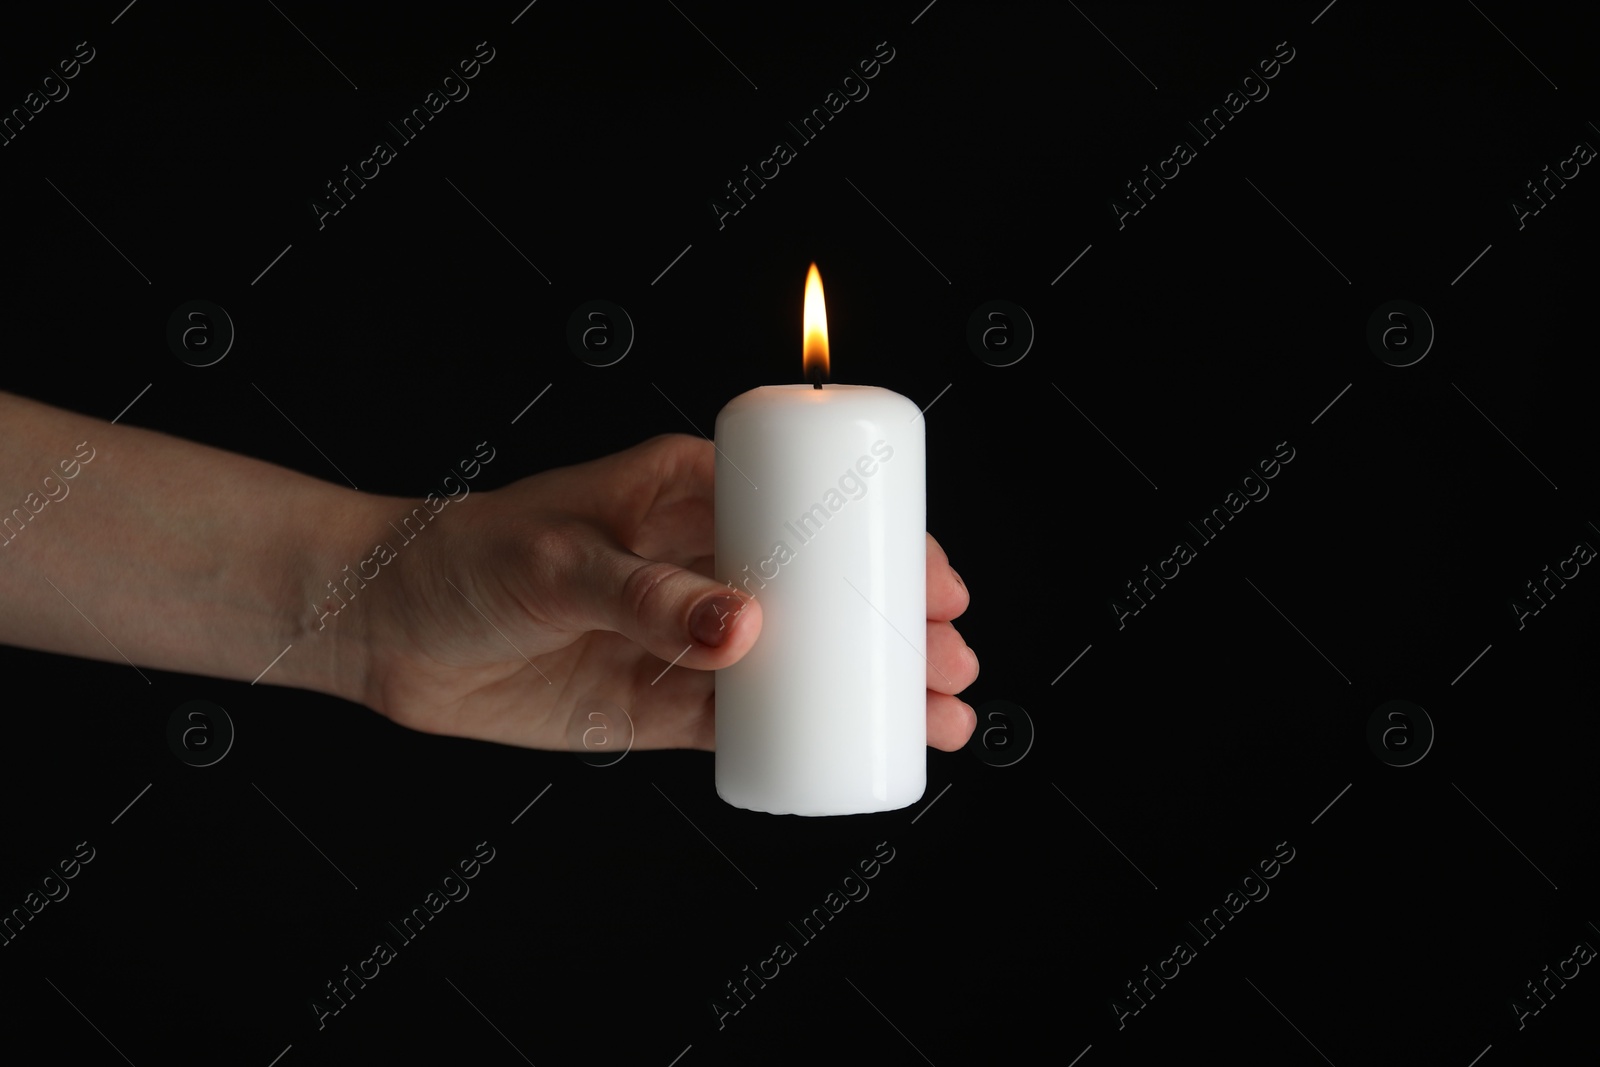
x=669 y=611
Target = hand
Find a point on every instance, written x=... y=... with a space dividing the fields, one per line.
x=520 y=611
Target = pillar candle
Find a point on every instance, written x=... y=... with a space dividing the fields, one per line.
x=820 y=516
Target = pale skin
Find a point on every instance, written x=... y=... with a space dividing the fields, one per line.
x=511 y=617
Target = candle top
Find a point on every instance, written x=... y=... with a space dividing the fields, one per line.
x=871 y=401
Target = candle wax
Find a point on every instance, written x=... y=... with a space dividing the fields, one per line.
x=821 y=517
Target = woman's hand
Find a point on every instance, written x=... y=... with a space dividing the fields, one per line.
x=519 y=612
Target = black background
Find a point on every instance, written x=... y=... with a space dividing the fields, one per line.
x=1221 y=720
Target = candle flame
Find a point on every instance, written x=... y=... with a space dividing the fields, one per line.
x=815 y=348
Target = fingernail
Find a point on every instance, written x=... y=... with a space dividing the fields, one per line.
x=710 y=621
x=957 y=578
x=972 y=656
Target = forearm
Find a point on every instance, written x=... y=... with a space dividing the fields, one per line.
x=119 y=542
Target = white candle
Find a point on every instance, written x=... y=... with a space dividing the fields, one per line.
x=820 y=516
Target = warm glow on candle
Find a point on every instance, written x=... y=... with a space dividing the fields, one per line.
x=815 y=350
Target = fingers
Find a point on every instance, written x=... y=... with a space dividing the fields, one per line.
x=947 y=595
x=952 y=666
x=950 y=722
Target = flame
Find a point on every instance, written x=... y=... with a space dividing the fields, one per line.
x=815 y=349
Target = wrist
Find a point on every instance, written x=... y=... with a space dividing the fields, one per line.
x=329 y=603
